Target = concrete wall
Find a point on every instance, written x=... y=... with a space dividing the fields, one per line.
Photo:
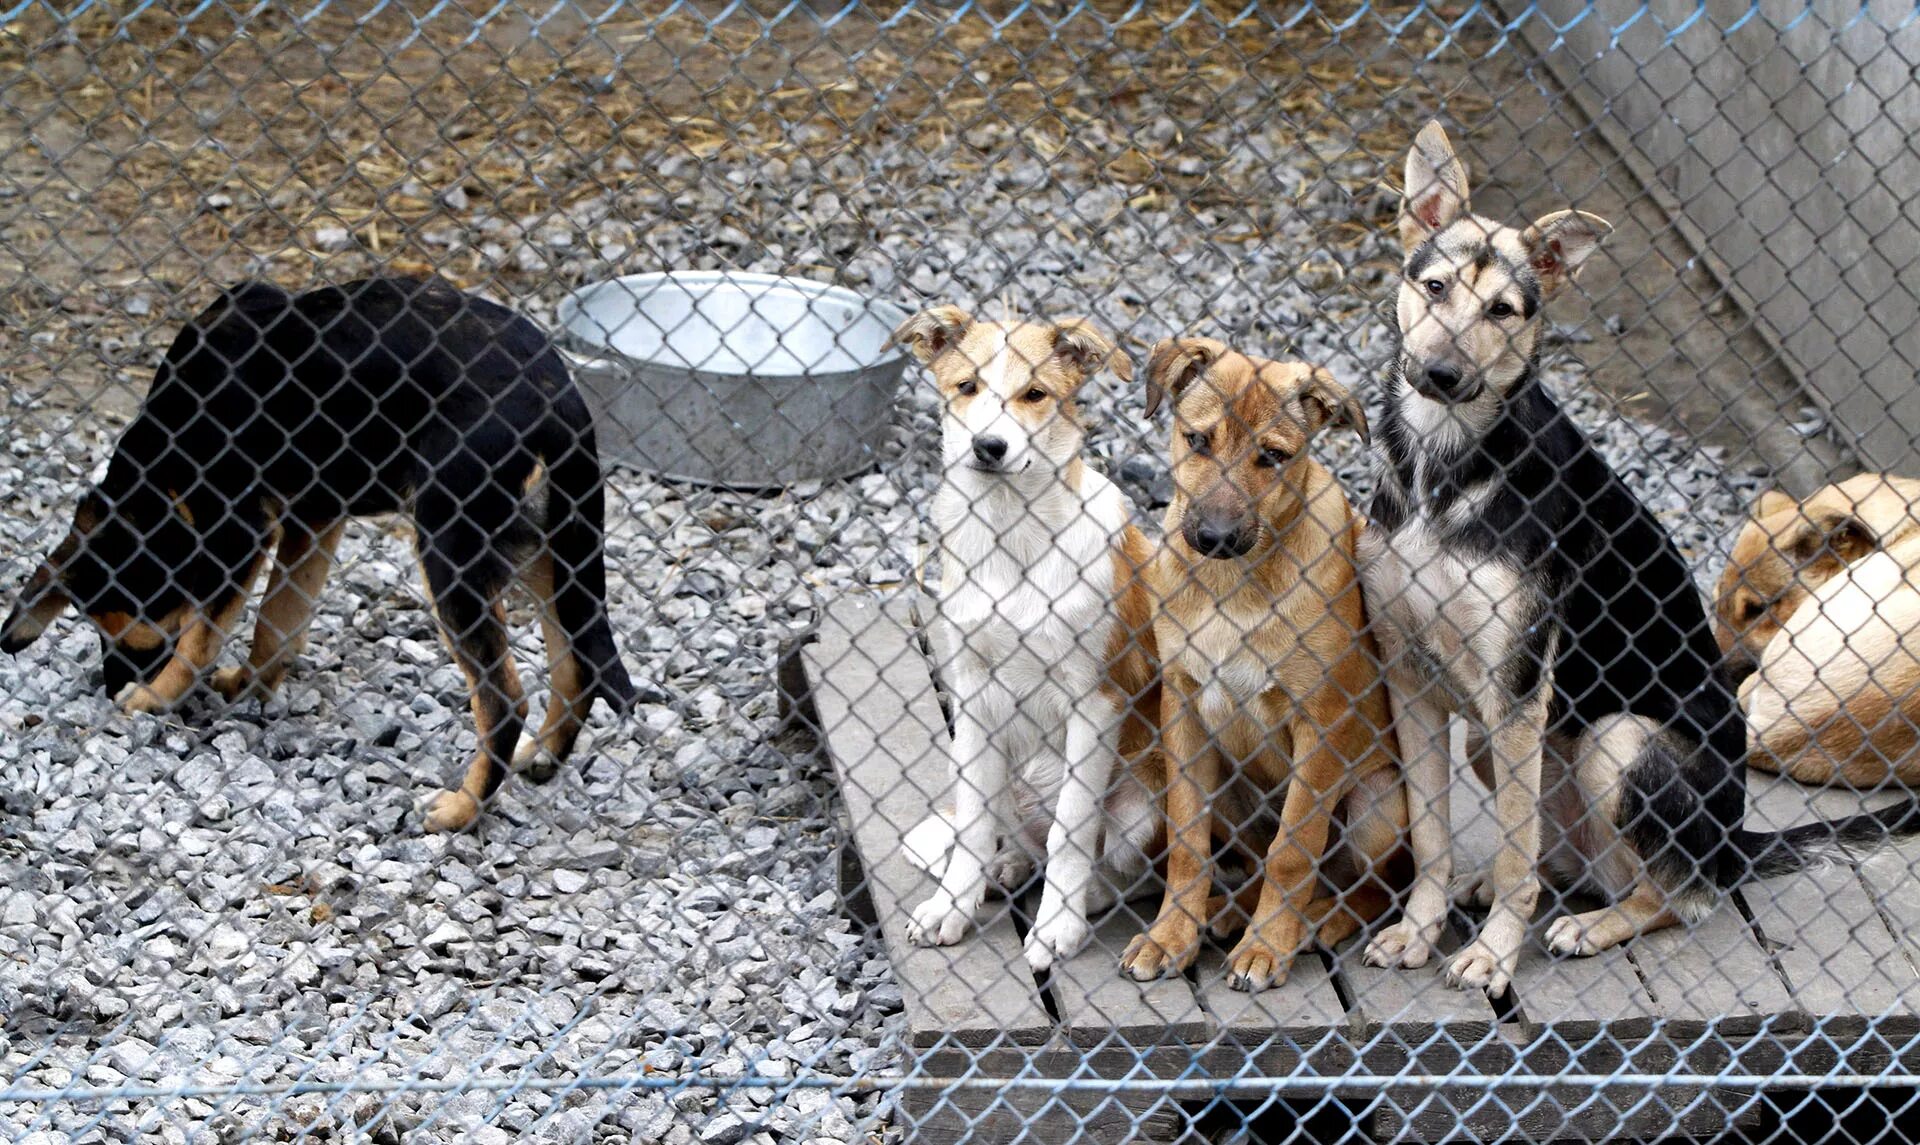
x=1783 y=131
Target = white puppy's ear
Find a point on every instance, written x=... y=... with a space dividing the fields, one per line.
x=1081 y=342
x=1558 y=244
x=1328 y=403
x=1435 y=193
x=932 y=332
x=1176 y=363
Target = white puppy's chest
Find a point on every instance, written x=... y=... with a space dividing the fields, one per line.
x=1027 y=585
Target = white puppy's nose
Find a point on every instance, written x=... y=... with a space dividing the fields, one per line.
x=989 y=450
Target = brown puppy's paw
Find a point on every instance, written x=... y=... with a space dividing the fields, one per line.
x=451 y=811
x=1254 y=966
x=1163 y=951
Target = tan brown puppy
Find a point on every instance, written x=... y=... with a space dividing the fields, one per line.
x=1821 y=602
x=1271 y=691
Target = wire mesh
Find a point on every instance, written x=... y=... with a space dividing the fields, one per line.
x=1067 y=535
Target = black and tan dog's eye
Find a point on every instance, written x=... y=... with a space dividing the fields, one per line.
x=1272 y=458
x=1435 y=287
x=1197 y=442
x=1500 y=310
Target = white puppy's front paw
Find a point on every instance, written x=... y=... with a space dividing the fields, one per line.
x=928 y=844
x=1404 y=944
x=938 y=922
x=1063 y=935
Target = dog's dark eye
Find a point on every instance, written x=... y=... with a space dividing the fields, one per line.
x=968 y=389
x=1034 y=395
x=1750 y=611
x=1500 y=310
x=1435 y=287
x=1274 y=458
x=1198 y=443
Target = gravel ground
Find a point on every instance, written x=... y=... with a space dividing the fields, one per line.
x=243 y=896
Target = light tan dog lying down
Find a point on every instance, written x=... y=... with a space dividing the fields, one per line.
x=1821 y=602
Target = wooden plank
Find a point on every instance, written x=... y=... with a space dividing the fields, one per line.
x=1398 y=1008
x=1578 y=999
x=1298 y=1012
x=883 y=730
x=1713 y=975
x=1845 y=967
x=1098 y=1005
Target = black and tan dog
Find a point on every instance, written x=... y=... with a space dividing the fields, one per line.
x=276 y=417
x=1518 y=583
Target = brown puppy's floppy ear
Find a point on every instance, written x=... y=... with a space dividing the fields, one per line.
x=1772 y=502
x=1327 y=402
x=931 y=332
x=1559 y=243
x=1828 y=531
x=1435 y=193
x=1176 y=363
x=1079 y=340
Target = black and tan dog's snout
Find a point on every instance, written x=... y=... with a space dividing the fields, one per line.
x=1442 y=381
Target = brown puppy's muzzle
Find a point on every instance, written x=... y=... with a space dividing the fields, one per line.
x=1221 y=531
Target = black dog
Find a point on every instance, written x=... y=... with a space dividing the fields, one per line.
x=273 y=419
x=1520 y=584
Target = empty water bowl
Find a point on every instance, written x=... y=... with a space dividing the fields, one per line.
x=742 y=380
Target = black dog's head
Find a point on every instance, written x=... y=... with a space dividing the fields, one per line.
x=121 y=564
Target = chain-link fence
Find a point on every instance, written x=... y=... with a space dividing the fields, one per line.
x=1067 y=535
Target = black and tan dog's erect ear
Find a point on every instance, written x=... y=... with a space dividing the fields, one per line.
x=1435 y=193
x=932 y=332
x=1828 y=532
x=1558 y=244
x=1328 y=403
x=1176 y=363
x=41 y=600
x=1081 y=342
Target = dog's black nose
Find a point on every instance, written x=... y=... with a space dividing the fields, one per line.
x=1219 y=541
x=1443 y=379
x=989 y=449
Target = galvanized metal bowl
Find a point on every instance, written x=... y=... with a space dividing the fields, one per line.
x=742 y=380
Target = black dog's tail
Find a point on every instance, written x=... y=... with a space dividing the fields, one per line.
x=1764 y=854
x=576 y=522
x=1689 y=832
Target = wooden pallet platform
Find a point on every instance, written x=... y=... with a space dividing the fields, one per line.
x=1814 y=973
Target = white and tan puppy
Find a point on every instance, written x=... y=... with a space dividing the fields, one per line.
x=1045 y=635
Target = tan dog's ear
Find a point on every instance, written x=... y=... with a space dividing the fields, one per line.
x=1327 y=402
x=1828 y=530
x=1435 y=193
x=1079 y=340
x=931 y=332
x=1176 y=363
x=1772 y=502
x=1559 y=243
